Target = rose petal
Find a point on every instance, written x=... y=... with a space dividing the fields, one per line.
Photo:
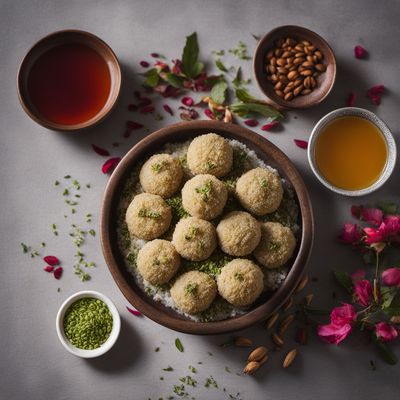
x=351 y=99
x=209 y=113
x=58 y=272
x=334 y=334
x=48 y=268
x=251 y=122
x=132 y=107
x=360 y=52
x=127 y=133
x=149 y=109
x=110 y=164
x=100 y=151
x=168 y=109
x=154 y=55
x=375 y=93
x=350 y=234
x=385 y=332
x=51 y=260
x=134 y=125
x=301 y=143
x=187 y=101
x=136 y=313
x=391 y=277
x=363 y=292
x=144 y=64
x=343 y=315
x=269 y=125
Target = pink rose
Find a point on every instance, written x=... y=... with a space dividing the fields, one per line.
x=334 y=334
x=385 y=332
x=357 y=275
x=369 y=214
x=350 y=234
x=388 y=231
x=363 y=292
x=391 y=277
x=343 y=315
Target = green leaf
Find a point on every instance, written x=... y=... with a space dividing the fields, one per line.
x=387 y=207
x=190 y=64
x=179 y=345
x=385 y=352
x=245 y=96
x=238 y=78
x=392 y=310
x=220 y=65
x=218 y=92
x=344 y=280
x=245 y=109
x=387 y=295
x=174 y=80
x=152 y=78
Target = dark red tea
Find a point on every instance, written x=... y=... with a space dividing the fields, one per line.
x=69 y=84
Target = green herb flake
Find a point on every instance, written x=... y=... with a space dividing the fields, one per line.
x=157 y=349
x=220 y=65
x=168 y=369
x=180 y=390
x=65 y=192
x=205 y=190
x=67 y=177
x=218 y=53
x=81 y=274
x=192 y=369
x=25 y=248
x=240 y=51
x=238 y=276
x=88 y=185
x=43 y=244
x=211 y=382
x=178 y=345
x=191 y=288
x=263 y=183
x=188 y=380
x=92 y=232
x=273 y=246
x=157 y=167
x=193 y=232
x=210 y=165
x=56 y=183
x=144 y=213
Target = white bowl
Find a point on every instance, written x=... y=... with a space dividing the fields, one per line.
x=369 y=116
x=114 y=332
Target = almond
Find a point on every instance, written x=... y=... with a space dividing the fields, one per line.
x=272 y=320
x=263 y=360
x=241 y=341
x=277 y=340
x=307 y=82
x=284 y=325
x=306 y=72
x=257 y=354
x=303 y=281
x=298 y=90
x=308 y=299
x=251 y=367
x=289 y=301
x=289 y=358
x=288 y=96
x=280 y=62
x=279 y=93
x=292 y=75
x=320 y=67
x=298 y=60
x=305 y=91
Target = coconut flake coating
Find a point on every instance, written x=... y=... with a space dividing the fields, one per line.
x=210 y=154
x=148 y=216
x=204 y=196
x=158 y=261
x=259 y=191
x=194 y=239
x=240 y=282
x=193 y=292
x=276 y=246
x=238 y=233
x=161 y=174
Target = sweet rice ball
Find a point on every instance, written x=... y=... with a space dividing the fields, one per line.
x=148 y=216
x=210 y=154
x=204 y=196
x=276 y=246
x=240 y=282
x=157 y=261
x=193 y=292
x=259 y=191
x=238 y=233
x=194 y=239
x=161 y=174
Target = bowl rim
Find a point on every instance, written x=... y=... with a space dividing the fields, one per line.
x=171 y=134
x=278 y=101
x=96 y=119
x=383 y=128
x=106 y=346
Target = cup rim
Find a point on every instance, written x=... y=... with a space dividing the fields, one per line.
x=103 y=113
x=106 y=346
x=383 y=128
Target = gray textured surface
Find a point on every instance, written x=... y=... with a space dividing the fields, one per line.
x=33 y=364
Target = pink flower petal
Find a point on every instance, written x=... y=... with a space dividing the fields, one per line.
x=360 y=52
x=110 y=164
x=100 y=151
x=48 y=268
x=136 y=313
x=144 y=64
x=154 y=55
x=149 y=109
x=363 y=292
x=385 y=332
x=350 y=234
x=168 y=109
x=368 y=214
x=334 y=334
x=301 y=143
x=134 y=125
x=344 y=314
x=51 y=260
x=209 y=113
x=391 y=277
x=251 y=122
x=187 y=101
x=269 y=125
x=351 y=99
x=58 y=272
x=375 y=93
x=357 y=275
x=132 y=107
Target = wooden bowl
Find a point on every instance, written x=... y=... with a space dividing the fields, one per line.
x=64 y=37
x=325 y=80
x=115 y=260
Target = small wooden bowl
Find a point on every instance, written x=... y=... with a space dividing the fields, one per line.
x=55 y=39
x=325 y=80
x=181 y=132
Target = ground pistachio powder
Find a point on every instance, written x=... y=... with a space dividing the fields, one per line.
x=88 y=323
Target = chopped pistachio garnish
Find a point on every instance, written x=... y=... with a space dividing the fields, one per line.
x=25 y=247
x=157 y=167
x=263 y=183
x=193 y=231
x=143 y=212
x=205 y=190
x=238 y=276
x=272 y=246
x=191 y=288
x=210 y=165
x=183 y=160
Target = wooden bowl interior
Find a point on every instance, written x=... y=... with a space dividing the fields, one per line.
x=56 y=39
x=325 y=80
x=157 y=311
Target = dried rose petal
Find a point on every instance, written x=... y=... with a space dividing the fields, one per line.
x=144 y=64
x=137 y=94
x=187 y=101
x=136 y=313
x=251 y=122
x=301 y=143
x=144 y=101
x=209 y=113
x=375 y=93
x=110 y=164
x=51 y=260
x=48 y=268
x=154 y=55
x=134 y=125
x=127 y=133
x=58 y=272
x=167 y=90
x=132 y=107
x=100 y=151
x=168 y=109
x=269 y=125
x=351 y=99
x=360 y=52
x=177 y=67
x=147 y=109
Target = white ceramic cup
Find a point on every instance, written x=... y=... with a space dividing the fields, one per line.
x=114 y=332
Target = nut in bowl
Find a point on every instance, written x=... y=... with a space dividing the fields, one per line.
x=88 y=324
x=294 y=67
